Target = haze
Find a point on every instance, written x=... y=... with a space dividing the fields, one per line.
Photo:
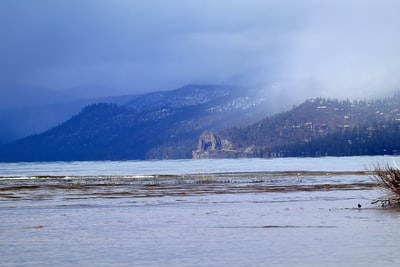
x=95 y=48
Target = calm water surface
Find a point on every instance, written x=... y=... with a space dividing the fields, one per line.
x=280 y=212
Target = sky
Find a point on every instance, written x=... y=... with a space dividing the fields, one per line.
x=327 y=48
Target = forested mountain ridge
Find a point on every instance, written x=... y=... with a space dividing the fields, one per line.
x=156 y=125
x=25 y=110
x=167 y=125
x=320 y=127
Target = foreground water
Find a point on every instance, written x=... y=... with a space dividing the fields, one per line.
x=248 y=212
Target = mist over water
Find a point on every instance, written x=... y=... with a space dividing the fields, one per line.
x=248 y=212
x=80 y=51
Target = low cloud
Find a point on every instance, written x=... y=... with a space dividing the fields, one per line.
x=335 y=49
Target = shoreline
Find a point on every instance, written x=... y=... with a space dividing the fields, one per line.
x=256 y=174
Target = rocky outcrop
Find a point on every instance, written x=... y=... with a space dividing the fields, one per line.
x=212 y=146
x=209 y=141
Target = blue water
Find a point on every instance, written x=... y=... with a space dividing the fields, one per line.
x=246 y=212
x=182 y=167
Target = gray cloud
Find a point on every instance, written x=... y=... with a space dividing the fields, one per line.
x=338 y=48
x=350 y=49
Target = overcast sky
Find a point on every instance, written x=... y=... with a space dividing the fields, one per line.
x=333 y=48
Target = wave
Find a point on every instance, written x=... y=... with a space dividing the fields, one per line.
x=226 y=175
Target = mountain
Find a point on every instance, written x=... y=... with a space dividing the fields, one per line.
x=17 y=96
x=320 y=127
x=155 y=125
x=215 y=121
x=30 y=110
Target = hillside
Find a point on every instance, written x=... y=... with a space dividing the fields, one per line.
x=320 y=127
x=30 y=110
x=215 y=121
x=156 y=125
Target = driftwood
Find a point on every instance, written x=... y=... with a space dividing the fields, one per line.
x=388 y=178
x=388 y=202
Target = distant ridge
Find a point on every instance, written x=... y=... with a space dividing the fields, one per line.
x=230 y=122
x=324 y=127
x=27 y=110
x=17 y=96
x=156 y=125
